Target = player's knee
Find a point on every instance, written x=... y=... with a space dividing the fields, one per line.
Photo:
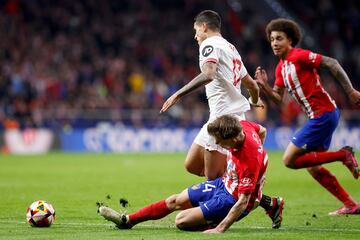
x=180 y=221
x=314 y=171
x=192 y=168
x=171 y=202
x=288 y=162
x=188 y=167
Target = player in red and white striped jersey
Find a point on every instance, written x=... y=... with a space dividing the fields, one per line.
x=224 y=200
x=297 y=73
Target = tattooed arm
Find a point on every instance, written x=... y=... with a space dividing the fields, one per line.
x=339 y=73
x=206 y=76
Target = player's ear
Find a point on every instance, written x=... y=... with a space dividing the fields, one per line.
x=205 y=26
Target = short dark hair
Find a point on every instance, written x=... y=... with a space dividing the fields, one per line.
x=211 y=18
x=224 y=127
x=289 y=27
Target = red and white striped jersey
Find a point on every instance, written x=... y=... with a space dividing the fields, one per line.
x=298 y=74
x=246 y=166
x=224 y=92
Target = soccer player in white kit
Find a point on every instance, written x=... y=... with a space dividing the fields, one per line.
x=222 y=73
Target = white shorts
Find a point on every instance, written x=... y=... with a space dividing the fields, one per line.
x=206 y=141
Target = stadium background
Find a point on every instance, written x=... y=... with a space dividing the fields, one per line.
x=93 y=75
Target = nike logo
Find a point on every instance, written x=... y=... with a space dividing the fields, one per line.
x=206 y=207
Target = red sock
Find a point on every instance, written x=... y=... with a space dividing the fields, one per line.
x=312 y=159
x=329 y=181
x=150 y=212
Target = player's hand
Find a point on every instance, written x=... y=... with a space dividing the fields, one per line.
x=260 y=76
x=258 y=104
x=212 y=231
x=169 y=102
x=355 y=97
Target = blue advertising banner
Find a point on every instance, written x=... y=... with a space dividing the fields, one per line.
x=113 y=138
x=110 y=138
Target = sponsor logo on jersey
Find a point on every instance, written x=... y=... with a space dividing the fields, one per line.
x=245 y=182
x=207 y=50
x=195 y=186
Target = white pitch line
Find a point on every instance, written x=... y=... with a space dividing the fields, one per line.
x=305 y=229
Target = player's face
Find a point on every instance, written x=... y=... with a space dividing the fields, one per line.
x=200 y=34
x=231 y=143
x=225 y=143
x=280 y=43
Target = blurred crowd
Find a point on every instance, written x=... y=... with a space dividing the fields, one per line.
x=79 y=62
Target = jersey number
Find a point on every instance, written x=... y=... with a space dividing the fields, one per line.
x=236 y=71
x=209 y=187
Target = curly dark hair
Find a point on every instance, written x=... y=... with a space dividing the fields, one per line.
x=289 y=27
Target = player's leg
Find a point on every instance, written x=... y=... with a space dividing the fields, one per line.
x=194 y=162
x=291 y=154
x=161 y=209
x=207 y=215
x=120 y=219
x=152 y=211
x=273 y=206
x=312 y=136
x=308 y=145
x=191 y=219
x=215 y=164
x=295 y=157
x=210 y=204
x=330 y=183
x=205 y=157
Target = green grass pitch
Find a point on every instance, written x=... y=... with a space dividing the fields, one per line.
x=73 y=183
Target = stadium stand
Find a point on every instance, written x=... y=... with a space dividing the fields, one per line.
x=81 y=62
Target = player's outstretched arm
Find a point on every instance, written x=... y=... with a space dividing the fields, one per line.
x=276 y=94
x=233 y=215
x=339 y=73
x=207 y=75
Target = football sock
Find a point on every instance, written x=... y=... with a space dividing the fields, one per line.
x=329 y=181
x=312 y=159
x=266 y=202
x=151 y=212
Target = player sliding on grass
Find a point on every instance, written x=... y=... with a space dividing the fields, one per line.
x=217 y=203
x=297 y=72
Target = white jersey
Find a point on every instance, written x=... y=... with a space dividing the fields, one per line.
x=224 y=93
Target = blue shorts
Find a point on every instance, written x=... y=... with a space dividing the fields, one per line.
x=215 y=202
x=316 y=134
